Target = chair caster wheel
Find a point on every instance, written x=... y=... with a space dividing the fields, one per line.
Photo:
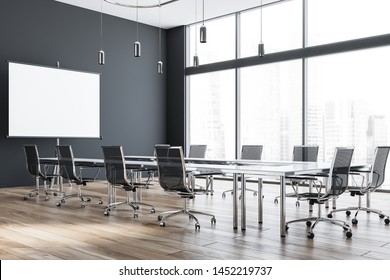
x=348 y=234
x=135 y=215
x=308 y=223
x=153 y=211
x=310 y=235
x=254 y=193
x=354 y=221
x=197 y=226
x=297 y=204
x=162 y=224
x=82 y=206
x=348 y=213
x=213 y=221
x=55 y=194
x=100 y=201
x=381 y=216
x=330 y=216
x=276 y=201
x=159 y=217
x=62 y=200
x=106 y=213
x=88 y=199
x=287 y=228
x=46 y=199
x=58 y=204
x=25 y=198
x=387 y=221
x=223 y=195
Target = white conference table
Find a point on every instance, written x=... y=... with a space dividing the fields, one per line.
x=239 y=168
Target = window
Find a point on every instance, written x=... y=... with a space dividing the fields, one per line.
x=212 y=113
x=281 y=27
x=345 y=93
x=339 y=20
x=221 y=38
x=271 y=108
x=352 y=109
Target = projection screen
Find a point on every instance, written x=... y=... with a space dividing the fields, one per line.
x=52 y=102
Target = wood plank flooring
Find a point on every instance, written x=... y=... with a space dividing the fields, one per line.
x=39 y=230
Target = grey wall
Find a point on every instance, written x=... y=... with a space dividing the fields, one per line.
x=133 y=95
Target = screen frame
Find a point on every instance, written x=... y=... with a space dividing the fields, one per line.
x=96 y=113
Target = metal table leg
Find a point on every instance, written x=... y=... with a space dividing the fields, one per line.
x=235 y=210
x=260 y=200
x=282 y=206
x=243 y=202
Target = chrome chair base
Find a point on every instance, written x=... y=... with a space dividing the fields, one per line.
x=358 y=209
x=184 y=210
x=319 y=218
x=83 y=198
x=310 y=233
x=44 y=190
x=231 y=191
x=133 y=204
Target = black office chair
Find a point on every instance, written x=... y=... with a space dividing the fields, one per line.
x=376 y=177
x=248 y=152
x=67 y=168
x=304 y=153
x=337 y=183
x=117 y=177
x=197 y=151
x=39 y=172
x=173 y=177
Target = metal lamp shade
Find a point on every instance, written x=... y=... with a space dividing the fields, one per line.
x=159 y=67
x=137 y=49
x=196 y=61
x=101 y=59
x=203 y=34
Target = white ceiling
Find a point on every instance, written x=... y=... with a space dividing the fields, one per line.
x=177 y=13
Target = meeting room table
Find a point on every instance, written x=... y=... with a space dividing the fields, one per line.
x=238 y=168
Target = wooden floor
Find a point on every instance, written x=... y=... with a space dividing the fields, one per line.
x=38 y=229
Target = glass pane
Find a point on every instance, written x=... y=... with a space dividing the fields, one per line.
x=348 y=102
x=282 y=28
x=221 y=41
x=212 y=113
x=271 y=108
x=339 y=20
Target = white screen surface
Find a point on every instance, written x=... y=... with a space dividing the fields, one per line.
x=52 y=102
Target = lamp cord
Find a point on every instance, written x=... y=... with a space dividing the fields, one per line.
x=101 y=24
x=261 y=21
x=159 y=30
x=203 y=12
x=196 y=27
x=137 y=19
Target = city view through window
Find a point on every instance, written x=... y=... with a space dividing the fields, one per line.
x=346 y=94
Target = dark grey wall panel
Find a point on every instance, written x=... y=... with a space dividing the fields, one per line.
x=176 y=86
x=133 y=95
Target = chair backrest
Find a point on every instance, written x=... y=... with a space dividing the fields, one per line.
x=32 y=160
x=66 y=162
x=197 y=151
x=377 y=174
x=251 y=152
x=114 y=162
x=171 y=168
x=305 y=153
x=339 y=171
